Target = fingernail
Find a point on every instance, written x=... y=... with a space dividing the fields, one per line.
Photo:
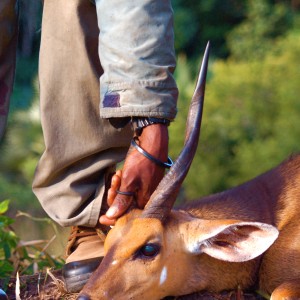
x=112 y=211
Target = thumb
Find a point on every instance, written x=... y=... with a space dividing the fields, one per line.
x=119 y=206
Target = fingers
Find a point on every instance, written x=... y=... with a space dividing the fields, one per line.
x=115 y=185
x=118 y=203
x=119 y=206
x=106 y=221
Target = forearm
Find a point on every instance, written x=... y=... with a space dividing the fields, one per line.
x=136 y=48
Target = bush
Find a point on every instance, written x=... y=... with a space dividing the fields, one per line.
x=251 y=118
x=19 y=256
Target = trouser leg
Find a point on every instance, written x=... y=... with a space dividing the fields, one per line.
x=79 y=146
x=8 y=46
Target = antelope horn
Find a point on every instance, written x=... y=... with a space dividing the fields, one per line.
x=163 y=198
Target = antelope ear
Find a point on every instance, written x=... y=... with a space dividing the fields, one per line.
x=228 y=240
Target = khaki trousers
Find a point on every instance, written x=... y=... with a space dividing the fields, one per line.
x=8 y=46
x=80 y=147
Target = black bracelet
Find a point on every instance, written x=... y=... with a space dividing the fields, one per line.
x=166 y=165
x=139 y=123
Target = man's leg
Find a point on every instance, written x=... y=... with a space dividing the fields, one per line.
x=8 y=49
x=80 y=147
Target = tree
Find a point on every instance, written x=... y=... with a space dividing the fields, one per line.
x=255 y=36
x=251 y=118
x=198 y=22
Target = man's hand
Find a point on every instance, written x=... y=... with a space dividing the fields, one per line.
x=139 y=175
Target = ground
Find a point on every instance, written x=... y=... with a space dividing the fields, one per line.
x=51 y=287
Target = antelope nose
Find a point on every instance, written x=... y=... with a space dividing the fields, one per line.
x=83 y=297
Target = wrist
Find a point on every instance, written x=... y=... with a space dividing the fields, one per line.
x=140 y=123
x=155 y=140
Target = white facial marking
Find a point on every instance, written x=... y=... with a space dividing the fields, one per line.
x=114 y=262
x=163 y=275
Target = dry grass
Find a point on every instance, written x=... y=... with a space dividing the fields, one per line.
x=41 y=286
x=50 y=286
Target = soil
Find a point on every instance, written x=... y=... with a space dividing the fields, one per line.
x=50 y=286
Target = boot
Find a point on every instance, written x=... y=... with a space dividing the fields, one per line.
x=84 y=254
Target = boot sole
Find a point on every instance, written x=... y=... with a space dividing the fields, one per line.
x=77 y=273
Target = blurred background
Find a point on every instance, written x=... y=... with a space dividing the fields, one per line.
x=251 y=118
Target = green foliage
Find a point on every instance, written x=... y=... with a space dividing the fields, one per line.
x=17 y=255
x=20 y=152
x=253 y=38
x=24 y=145
x=200 y=21
x=8 y=241
x=244 y=29
x=251 y=118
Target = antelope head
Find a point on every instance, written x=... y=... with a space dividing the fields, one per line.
x=146 y=251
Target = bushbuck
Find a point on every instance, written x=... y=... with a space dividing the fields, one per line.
x=247 y=237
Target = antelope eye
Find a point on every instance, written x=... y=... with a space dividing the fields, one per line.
x=149 y=250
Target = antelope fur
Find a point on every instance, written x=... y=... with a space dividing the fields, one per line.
x=247 y=237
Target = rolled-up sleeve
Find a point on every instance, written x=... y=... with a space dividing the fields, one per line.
x=136 y=50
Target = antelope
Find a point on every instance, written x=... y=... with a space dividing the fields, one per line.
x=248 y=236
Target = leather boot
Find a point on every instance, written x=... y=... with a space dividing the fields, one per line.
x=84 y=254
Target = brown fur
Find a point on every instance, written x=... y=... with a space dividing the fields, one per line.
x=272 y=198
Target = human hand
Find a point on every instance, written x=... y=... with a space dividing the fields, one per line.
x=139 y=175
